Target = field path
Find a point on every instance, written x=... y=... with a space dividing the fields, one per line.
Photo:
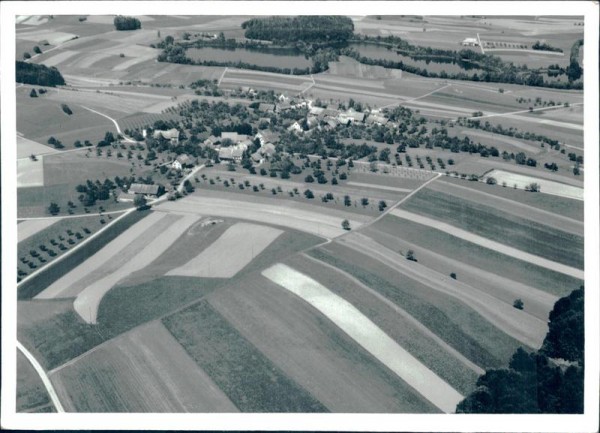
x=425 y=330
x=518 y=324
x=487 y=243
x=87 y=302
x=130 y=140
x=368 y=335
x=45 y=380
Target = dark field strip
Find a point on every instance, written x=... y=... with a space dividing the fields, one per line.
x=520 y=233
x=47 y=276
x=65 y=336
x=243 y=373
x=31 y=394
x=458 y=325
x=527 y=273
x=403 y=331
x=551 y=203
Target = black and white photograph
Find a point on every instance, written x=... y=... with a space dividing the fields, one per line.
x=355 y=216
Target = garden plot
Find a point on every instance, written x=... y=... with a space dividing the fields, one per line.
x=312 y=351
x=30 y=173
x=278 y=213
x=368 y=335
x=28 y=228
x=546 y=186
x=230 y=253
x=145 y=370
x=95 y=262
x=87 y=302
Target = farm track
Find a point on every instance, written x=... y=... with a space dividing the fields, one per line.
x=368 y=335
x=523 y=327
x=487 y=243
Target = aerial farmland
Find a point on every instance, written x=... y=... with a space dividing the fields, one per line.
x=366 y=214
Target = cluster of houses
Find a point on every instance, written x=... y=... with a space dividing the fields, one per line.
x=231 y=146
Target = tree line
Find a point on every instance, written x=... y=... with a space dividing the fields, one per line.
x=548 y=380
x=283 y=30
x=41 y=75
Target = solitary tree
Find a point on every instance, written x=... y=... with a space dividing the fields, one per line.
x=518 y=304
x=410 y=255
x=346 y=225
x=33 y=93
x=53 y=209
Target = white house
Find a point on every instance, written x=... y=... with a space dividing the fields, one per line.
x=470 y=42
x=296 y=127
x=172 y=135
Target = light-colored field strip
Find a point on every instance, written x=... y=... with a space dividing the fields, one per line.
x=40 y=371
x=134 y=248
x=145 y=370
x=487 y=243
x=59 y=57
x=30 y=173
x=230 y=253
x=95 y=262
x=401 y=312
x=26 y=147
x=28 y=228
x=546 y=186
x=511 y=207
x=376 y=186
x=518 y=324
x=537 y=302
x=309 y=221
x=87 y=302
x=368 y=335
